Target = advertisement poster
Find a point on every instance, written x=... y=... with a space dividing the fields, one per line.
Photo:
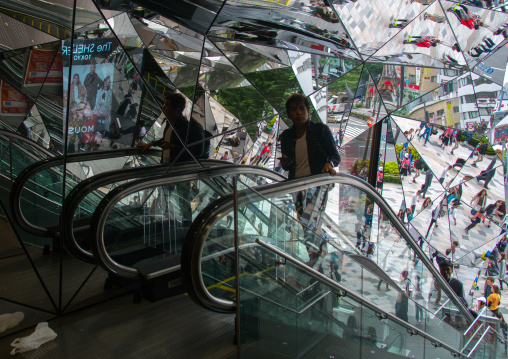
x=417 y=75
x=12 y=102
x=44 y=67
x=103 y=96
x=427 y=73
x=449 y=114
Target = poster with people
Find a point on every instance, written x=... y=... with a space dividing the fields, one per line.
x=103 y=99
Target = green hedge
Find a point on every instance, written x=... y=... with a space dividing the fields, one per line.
x=359 y=115
x=391 y=170
x=476 y=139
x=392 y=174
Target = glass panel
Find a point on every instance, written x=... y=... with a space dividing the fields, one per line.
x=286 y=311
x=12 y=28
x=330 y=247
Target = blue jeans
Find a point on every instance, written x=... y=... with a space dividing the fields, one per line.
x=419 y=312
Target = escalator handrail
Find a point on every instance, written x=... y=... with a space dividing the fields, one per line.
x=26 y=140
x=27 y=173
x=107 y=204
x=84 y=188
x=198 y=232
x=358 y=298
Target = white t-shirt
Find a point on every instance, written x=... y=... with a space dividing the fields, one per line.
x=444 y=172
x=414 y=199
x=302 y=167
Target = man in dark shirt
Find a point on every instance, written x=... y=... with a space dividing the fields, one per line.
x=446 y=269
x=307 y=148
x=92 y=84
x=177 y=127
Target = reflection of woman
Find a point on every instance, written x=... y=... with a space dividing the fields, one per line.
x=351 y=334
x=495 y=209
x=103 y=107
x=78 y=91
x=479 y=200
x=369 y=215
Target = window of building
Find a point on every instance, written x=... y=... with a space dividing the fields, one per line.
x=486 y=95
x=485 y=111
x=433 y=78
x=465 y=81
x=468 y=99
x=480 y=80
x=448 y=72
x=473 y=114
x=455 y=109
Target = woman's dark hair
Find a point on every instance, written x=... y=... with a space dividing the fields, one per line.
x=297 y=98
x=495 y=289
x=79 y=80
x=108 y=78
x=351 y=322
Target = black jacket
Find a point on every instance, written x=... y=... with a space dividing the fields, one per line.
x=196 y=133
x=320 y=148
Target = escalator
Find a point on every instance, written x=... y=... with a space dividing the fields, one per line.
x=138 y=229
x=303 y=289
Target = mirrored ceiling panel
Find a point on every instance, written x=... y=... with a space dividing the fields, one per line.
x=424 y=42
x=164 y=34
x=372 y=23
x=300 y=28
x=479 y=32
x=15 y=34
x=197 y=16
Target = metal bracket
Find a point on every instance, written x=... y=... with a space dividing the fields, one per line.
x=280 y=261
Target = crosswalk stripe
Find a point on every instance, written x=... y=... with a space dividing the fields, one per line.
x=353 y=132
